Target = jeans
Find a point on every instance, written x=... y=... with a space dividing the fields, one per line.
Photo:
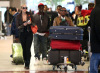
x=8 y=29
x=40 y=46
x=94 y=62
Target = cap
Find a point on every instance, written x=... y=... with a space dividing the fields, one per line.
x=40 y=4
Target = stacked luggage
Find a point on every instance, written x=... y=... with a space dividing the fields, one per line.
x=65 y=41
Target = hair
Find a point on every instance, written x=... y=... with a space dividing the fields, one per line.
x=23 y=5
x=10 y=8
x=73 y=12
x=79 y=7
x=45 y=5
x=91 y=4
x=63 y=7
x=14 y=9
x=59 y=6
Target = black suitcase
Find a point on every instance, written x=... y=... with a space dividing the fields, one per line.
x=75 y=57
x=53 y=57
x=66 y=33
x=57 y=56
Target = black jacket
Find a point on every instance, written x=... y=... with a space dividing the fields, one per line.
x=42 y=21
x=19 y=22
x=6 y=16
x=14 y=30
x=95 y=28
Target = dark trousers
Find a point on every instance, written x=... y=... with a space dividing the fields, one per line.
x=40 y=46
x=26 y=39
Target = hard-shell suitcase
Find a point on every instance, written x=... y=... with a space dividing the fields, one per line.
x=17 y=53
x=65 y=44
x=57 y=56
x=66 y=32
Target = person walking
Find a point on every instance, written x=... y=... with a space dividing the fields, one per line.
x=23 y=23
x=41 y=19
x=95 y=38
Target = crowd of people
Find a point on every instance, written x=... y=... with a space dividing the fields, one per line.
x=19 y=24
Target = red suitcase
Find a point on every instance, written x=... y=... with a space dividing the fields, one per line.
x=65 y=44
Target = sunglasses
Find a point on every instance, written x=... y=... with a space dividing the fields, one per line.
x=63 y=10
x=24 y=7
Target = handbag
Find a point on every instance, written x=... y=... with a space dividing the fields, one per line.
x=34 y=29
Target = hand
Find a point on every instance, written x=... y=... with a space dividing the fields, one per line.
x=25 y=24
x=29 y=22
x=17 y=39
x=9 y=25
x=46 y=35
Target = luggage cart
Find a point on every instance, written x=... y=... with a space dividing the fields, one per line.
x=60 y=61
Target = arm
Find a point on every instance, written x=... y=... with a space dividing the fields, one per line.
x=54 y=22
x=69 y=21
x=16 y=29
x=19 y=25
x=95 y=23
x=17 y=21
x=32 y=20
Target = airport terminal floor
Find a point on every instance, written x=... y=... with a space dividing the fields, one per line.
x=6 y=65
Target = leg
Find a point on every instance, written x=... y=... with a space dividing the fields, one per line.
x=94 y=62
x=8 y=29
x=36 y=46
x=29 y=40
x=44 y=46
x=23 y=41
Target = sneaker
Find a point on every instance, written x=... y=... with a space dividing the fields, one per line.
x=45 y=61
x=36 y=61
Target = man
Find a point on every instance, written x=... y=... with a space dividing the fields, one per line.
x=58 y=9
x=95 y=38
x=40 y=39
x=46 y=8
x=14 y=30
x=8 y=19
x=63 y=19
x=90 y=6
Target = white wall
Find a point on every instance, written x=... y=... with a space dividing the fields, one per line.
x=91 y=1
x=4 y=3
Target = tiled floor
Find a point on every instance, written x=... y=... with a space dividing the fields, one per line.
x=7 y=67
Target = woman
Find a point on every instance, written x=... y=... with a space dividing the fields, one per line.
x=24 y=22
